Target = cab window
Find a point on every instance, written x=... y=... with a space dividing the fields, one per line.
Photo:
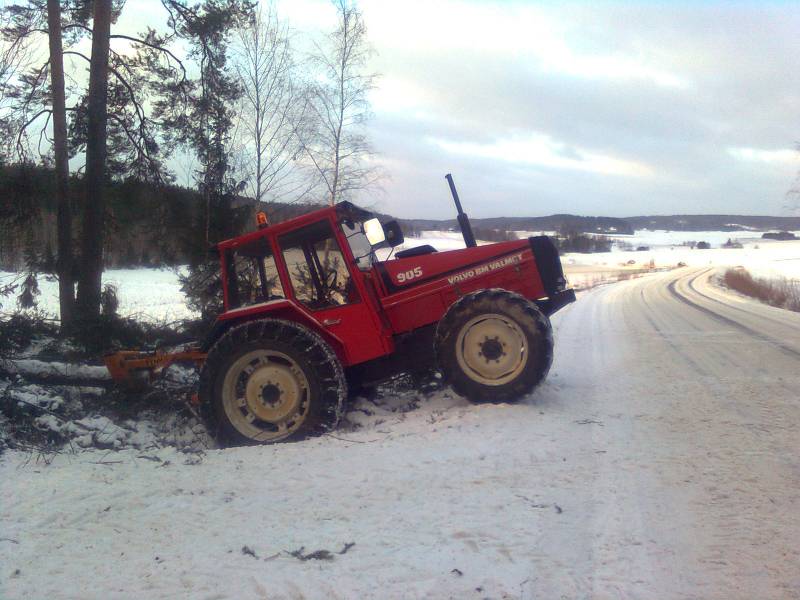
x=317 y=268
x=252 y=275
x=359 y=245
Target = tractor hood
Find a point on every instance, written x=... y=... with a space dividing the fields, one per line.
x=409 y=271
x=536 y=262
x=423 y=284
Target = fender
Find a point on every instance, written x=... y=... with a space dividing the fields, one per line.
x=275 y=309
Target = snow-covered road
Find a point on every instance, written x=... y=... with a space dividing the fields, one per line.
x=660 y=460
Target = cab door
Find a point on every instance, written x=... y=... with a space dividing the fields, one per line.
x=321 y=280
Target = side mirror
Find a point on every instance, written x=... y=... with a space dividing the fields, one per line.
x=374 y=232
x=393 y=234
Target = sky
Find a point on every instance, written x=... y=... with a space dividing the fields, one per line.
x=594 y=108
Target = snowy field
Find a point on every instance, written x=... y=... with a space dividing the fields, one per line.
x=147 y=294
x=667 y=249
x=766 y=258
x=604 y=483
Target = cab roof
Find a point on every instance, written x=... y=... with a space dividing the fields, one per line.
x=342 y=212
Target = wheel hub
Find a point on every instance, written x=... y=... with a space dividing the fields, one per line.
x=273 y=392
x=491 y=349
x=270 y=395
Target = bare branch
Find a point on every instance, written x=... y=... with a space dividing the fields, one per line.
x=27 y=124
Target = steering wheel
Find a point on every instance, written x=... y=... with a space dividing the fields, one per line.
x=331 y=280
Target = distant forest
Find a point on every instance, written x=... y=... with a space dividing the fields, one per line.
x=147 y=225
x=612 y=225
x=714 y=222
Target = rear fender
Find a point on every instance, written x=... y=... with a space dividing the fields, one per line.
x=274 y=309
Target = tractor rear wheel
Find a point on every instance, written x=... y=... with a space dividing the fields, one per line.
x=270 y=380
x=494 y=346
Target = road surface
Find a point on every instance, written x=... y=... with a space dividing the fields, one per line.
x=660 y=460
x=695 y=488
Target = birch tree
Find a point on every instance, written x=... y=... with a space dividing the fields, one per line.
x=274 y=108
x=338 y=150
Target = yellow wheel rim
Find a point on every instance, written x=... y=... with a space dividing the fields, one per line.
x=492 y=349
x=265 y=395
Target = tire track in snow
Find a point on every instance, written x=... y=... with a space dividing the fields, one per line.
x=648 y=315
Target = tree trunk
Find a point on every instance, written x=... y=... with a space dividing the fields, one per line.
x=89 y=282
x=66 y=289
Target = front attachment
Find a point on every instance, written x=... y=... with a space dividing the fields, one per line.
x=131 y=367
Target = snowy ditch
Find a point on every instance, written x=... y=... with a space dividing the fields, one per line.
x=57 y=407
x=61 y=407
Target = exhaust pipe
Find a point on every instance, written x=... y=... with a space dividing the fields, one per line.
x=463 y=219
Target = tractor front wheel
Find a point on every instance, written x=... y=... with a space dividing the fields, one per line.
x=270 y=380
x=494 y=346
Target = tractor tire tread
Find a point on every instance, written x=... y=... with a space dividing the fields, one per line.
x=327 y=373
x=490 y=300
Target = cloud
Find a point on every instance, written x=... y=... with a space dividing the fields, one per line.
x=760 y=155
x=541 y=150
x=598 y=109
x=594 y=108
x=519 y=31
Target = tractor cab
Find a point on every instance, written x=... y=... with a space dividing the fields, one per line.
x=317 y=268
x=318 y=273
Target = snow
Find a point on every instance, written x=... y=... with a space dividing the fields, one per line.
x=605 y=483
x=660 y=237
x=418 y=494
x=763 y=257
x=766 y=258
x=32 y=395
x=147 y=294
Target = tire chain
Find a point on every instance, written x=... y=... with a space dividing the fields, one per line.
x=316 y=351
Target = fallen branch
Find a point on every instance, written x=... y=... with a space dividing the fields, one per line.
x=316 y=555
x=588 y=422
x=50 y=412
x=37 y=371
x=147 y=457
x=347 y=547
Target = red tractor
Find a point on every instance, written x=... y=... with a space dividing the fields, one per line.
x=310 y=310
